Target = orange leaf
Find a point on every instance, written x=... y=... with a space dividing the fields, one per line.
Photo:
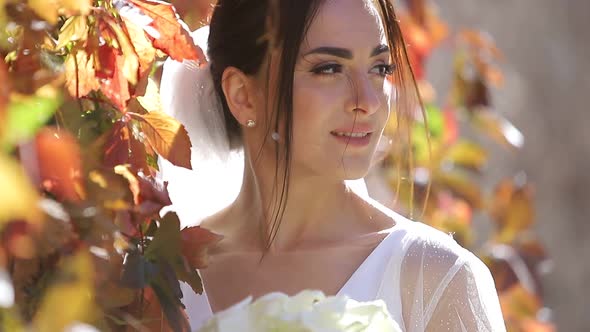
x=519 y=303
x=60 y=165
x=166 y=30
x=196 y=242
x=80 y=75
x=533 y=325
x=512 y=209
x=167 y=136
x=451 y=125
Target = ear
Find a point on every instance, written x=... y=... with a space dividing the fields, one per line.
x=239 y=93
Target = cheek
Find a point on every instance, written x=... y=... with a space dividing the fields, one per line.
x=315 y=114
x=315 y=106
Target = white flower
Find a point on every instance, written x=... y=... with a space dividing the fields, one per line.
x=308 y=311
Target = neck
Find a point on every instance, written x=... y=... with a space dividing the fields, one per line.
x=314 y=210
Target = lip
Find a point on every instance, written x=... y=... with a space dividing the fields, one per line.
x=354 y=141
x=357 y=128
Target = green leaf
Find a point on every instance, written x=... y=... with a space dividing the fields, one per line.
x=10 y=320
x=435 y=120
x=172 y=310
x=167 y=246
x=420 y=142
x=167 y=241
x=137 y=271
x=26 y=116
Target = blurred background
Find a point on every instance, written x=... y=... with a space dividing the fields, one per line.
x=545 y=95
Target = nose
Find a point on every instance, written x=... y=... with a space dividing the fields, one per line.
x=364 y=95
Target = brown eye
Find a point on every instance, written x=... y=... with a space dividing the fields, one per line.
x=327 y=69
x=383 y=69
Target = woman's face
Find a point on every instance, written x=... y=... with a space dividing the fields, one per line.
x=340 y=95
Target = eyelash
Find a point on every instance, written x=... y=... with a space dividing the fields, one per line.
x=336 y=68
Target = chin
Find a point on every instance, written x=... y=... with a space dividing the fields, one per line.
x=355 y=172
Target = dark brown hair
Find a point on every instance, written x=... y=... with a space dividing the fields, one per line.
x=242 y=33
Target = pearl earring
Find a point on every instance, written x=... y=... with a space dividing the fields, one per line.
x=251 y=123
x=275 y=136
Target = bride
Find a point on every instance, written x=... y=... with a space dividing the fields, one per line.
x=291 y=105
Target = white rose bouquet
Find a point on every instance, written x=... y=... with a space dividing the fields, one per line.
x=308 y=311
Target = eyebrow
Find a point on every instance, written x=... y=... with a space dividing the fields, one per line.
x=345 y=53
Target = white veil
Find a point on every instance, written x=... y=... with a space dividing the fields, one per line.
x=188 y=94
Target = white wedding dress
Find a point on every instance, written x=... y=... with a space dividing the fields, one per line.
x=428 y=282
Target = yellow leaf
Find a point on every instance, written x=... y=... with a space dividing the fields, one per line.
x=18 y=200
x=151 y=101
x=146 y=53
x=80 y=74
x=519 y=215
x=46 y=9
x=81 y=7
x=51 y=9
x=467 y=154
x=461 y=185
x=2 y=14
x=167 y=136
x=71 y=298
x=75 y=28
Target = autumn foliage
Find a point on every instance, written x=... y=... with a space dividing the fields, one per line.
x=445 y=164
x=81 y=129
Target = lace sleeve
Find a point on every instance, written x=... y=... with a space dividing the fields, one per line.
x=446 y=288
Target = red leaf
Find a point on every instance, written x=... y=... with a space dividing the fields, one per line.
x=170 y=34
x=112 y=79
x=196 y=242
x=123 y=148
x=153 y=196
